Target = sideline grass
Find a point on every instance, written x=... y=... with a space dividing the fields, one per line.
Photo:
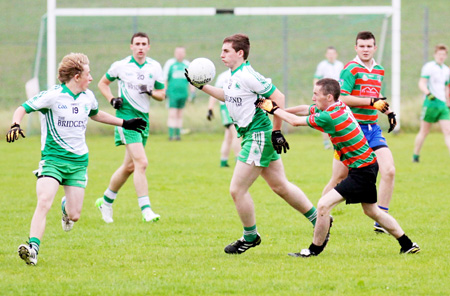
x=183 y=252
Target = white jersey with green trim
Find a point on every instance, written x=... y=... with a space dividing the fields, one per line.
x=64 y=117
x=221 y=80
x=132 y=76
x=438 y=78
x=242 y=90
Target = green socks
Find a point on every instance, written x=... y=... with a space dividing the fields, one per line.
x=311 y=215
x=250 y=233
x=34 y=243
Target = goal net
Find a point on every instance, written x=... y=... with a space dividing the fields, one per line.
x=287 y=43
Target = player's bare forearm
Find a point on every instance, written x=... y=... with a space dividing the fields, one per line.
x=279 y=98
x=107 y=118
x=215 y=92
x=302 y=110
x=290 y=118
x=159 y=94
x=353 y=101
x=423 y=86
x=18 y=115
x=104 y=88
x=211 y=103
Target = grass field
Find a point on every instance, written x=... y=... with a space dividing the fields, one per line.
x=182 y=254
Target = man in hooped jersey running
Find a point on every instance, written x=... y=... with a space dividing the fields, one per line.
x=140 y=79
x=361 y=81
x=258 y=155
x=333 y=117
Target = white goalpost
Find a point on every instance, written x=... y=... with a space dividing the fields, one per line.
x=393 y=11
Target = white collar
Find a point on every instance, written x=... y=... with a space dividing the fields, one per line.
x=358 y=60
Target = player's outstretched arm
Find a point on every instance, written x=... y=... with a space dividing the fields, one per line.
x=273 y=108
x=301 y=110
x=15 y=130
x=137 y=124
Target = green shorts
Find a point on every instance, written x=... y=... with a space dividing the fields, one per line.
x=178 y=103
x=225 y=116
x=434 y=110
x=66 y=173
x=123 y=136
x=257 y=148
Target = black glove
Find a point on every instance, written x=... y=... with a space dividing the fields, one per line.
x=279 y=142
x=143 y=89
x=267 y=105
x=210 y=114
x=430 y=96
x=380 y=104
x=14 y=133
x=392 y=121
x=186 y=73
x=136 y=124
x=117 y=102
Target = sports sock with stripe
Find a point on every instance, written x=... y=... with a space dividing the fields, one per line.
x=34 y=242
x=250 y=233
x=109 y=197
x=311 y=215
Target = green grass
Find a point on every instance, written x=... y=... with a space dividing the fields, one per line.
x=183 y=252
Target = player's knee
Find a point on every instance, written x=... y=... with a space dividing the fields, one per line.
x=323 y=208
x=388 y=172
x=234 y=193
x=141 y=165
x=44 y=202
x=372 y=212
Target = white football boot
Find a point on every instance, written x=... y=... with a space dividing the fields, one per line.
x=149 y=216
x=107 y=212
x=27 y=254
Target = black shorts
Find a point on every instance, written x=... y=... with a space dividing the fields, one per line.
x=360 y=185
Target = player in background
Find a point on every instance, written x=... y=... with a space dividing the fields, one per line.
x=178 y=89
x=333 y=117
x=331 y=67
x=258 y=156
x=361 y=81
x=434 y=83
x=230 y=139
x=65 y=109
x=140 y=79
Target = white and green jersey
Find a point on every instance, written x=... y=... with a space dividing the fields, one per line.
x=131 y=76
x=242 y=90
x=64 y=117
x=438 y=78
x=325 y=69
x=221 y=80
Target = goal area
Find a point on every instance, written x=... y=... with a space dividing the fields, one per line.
x=287 y=43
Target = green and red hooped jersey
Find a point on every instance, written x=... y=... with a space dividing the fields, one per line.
x=344 y=132
x=358 y=81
